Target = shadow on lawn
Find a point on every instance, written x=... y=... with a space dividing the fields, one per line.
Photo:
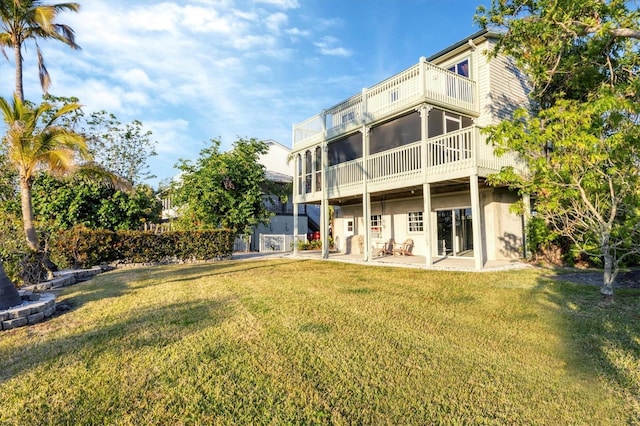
x=196 y=272
x=601 y=339
x=150 y=327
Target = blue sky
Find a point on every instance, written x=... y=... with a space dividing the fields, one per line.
x=193 y=70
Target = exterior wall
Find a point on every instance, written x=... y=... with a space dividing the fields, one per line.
x=277 y=158
x=501 y=229
x=279 y=225
x=506 y=89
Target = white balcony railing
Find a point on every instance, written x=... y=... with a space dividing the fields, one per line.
x=453 y=154
x=423 y=82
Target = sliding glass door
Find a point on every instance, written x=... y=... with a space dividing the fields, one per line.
x=455 y=232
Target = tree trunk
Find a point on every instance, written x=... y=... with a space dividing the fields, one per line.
x=17 y=48
x=9 y=295
x=27 y=215
x=609 y=276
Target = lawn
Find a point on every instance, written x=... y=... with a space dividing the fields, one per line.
x=290 y=341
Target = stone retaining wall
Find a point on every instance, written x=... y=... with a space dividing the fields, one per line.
x=37 y=306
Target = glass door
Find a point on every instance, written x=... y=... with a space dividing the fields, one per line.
x=455 y=232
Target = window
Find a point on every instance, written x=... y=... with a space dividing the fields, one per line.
x=461 y=68
x=318 y=169
x=376 y=225
x=348 y=117
x=416 y=222
x=307 y=171
x=393 y=95
x=299 y=174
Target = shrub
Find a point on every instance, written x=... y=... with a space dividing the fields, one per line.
x=81 y=247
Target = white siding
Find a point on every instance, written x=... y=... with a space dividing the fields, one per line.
x=501 y=229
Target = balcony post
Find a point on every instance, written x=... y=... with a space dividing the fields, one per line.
x=366 y=197
x=324 y=231
x=426 y=195
x=476 y=223
x=423 y=75
x=324 y=201
x=294 y=196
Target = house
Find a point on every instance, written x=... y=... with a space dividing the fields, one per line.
x=406 y=159
x=278 y=234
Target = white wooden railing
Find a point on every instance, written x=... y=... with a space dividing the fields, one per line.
x=456 y=152
x=423 y=82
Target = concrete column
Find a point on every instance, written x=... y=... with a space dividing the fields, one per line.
x=324 y=212
x=426 y=195
x=476 y=215
x=366 y=197
x=295 y=224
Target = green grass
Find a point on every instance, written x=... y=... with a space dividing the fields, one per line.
x=310 y=342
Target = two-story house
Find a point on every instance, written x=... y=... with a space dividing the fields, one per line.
x=405 y=159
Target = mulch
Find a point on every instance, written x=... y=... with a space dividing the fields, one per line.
x=625 y=279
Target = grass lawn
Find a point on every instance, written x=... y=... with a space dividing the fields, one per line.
x=309 y=342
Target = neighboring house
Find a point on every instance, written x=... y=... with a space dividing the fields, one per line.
x=405 y=159
x=278 y=234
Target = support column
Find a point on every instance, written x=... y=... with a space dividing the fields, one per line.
x=324 y=204
x=366 y=197
x=426 y=196
x=476 y=215
x=295 y=224
x=426 y=187
x=366 y=213
x=526 y=217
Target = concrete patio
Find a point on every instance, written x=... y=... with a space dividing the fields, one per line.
x=448 y=263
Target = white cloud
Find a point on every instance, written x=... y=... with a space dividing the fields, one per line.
x=275 y=21
x=283 y=4
x=297 y=32
x=327 y=46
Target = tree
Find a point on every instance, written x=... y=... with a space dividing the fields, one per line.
x=22 y=20
x=32 y=143
x=121 y=148
x=580 y=140
x=63 y=203
x=223 y=189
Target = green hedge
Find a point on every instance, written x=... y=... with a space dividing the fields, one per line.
x=83 y=248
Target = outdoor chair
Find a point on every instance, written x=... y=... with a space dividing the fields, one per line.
x=404 y=249
x=386 y=249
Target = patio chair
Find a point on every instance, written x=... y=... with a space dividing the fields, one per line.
x=386 y=249
x=404 y=249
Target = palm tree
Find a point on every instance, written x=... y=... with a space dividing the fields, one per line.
x=34 y=142
x=21 y=20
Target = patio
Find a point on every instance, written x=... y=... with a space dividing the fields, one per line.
x=439 y=263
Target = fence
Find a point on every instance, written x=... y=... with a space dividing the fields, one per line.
x=278 y=242
x=242 y=243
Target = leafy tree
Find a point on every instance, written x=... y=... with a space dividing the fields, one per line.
x=223 y=189
x=22 y=20
x=580 y=140
x=62 y=203
x=121 y=148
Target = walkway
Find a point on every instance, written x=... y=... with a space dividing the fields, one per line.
x=447 y=264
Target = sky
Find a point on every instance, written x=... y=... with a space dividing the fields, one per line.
x=196 y=70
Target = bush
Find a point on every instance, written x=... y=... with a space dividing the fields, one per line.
x=82 y=248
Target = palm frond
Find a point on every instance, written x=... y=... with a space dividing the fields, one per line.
x=97 y=173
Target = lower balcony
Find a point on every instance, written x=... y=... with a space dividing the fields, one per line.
x=446 y=157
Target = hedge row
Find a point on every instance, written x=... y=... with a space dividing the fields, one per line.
x=83 y=248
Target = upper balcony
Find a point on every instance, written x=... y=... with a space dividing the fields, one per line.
x=423 y=82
